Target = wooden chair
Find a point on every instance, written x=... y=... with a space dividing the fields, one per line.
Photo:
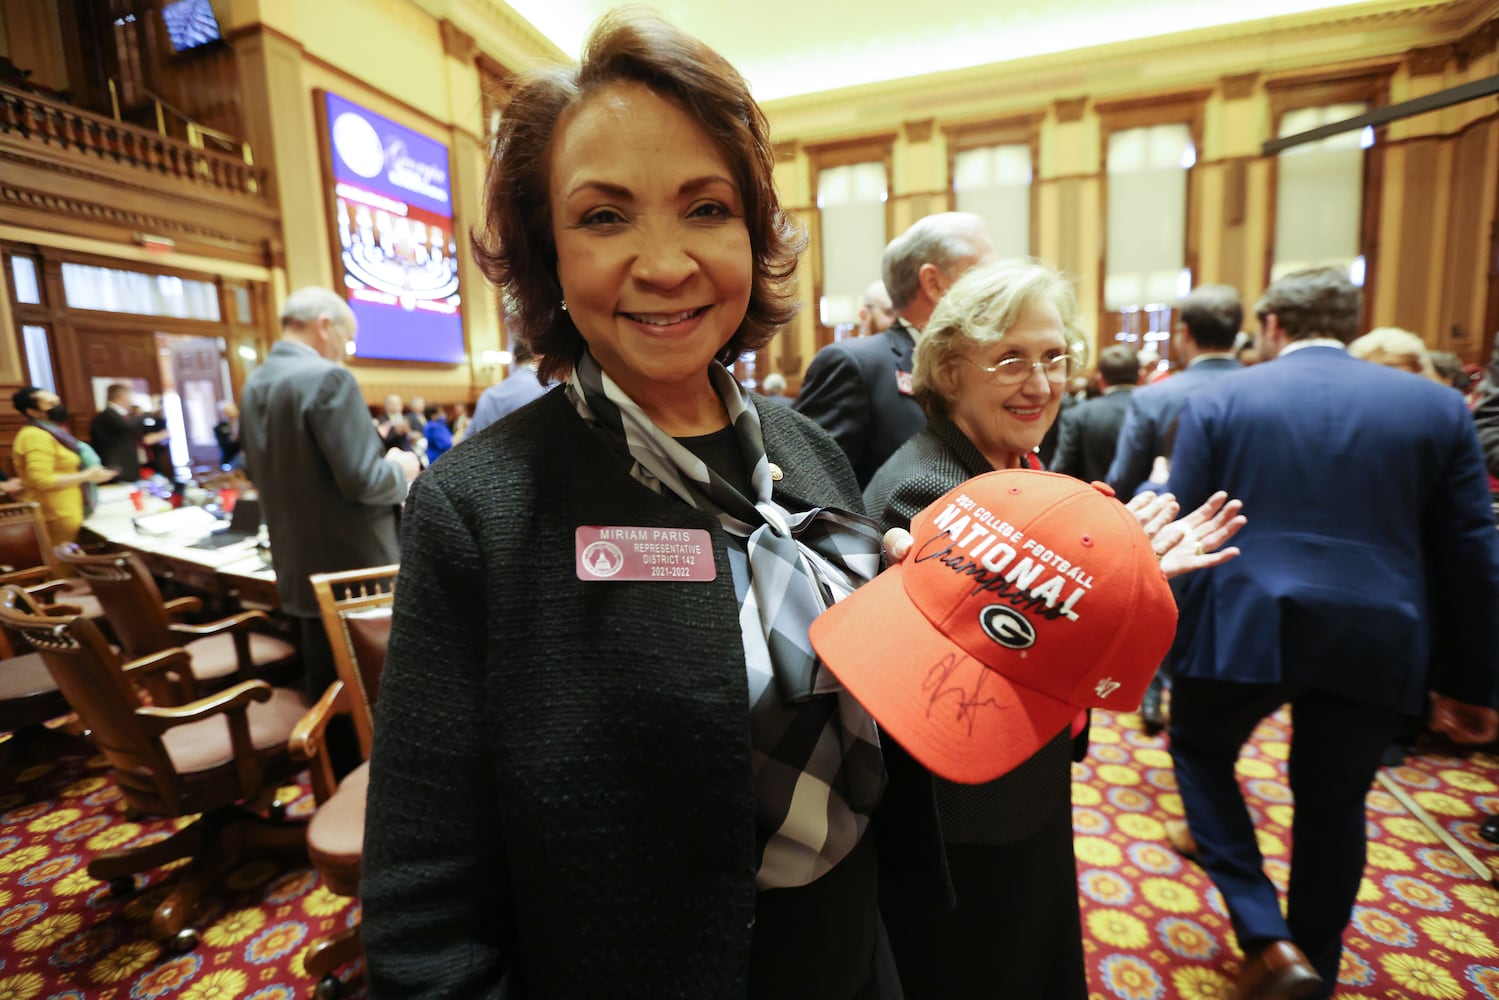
x=220 y=757
x=28 y=700
x=356 y=611
x=23 y=550
x=222 y=652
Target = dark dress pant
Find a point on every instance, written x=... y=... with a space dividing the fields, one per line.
x=1335 y=751
x=1016 y=932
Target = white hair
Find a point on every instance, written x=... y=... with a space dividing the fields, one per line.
x=306 y=306
x=979 y=309
x=944 y=240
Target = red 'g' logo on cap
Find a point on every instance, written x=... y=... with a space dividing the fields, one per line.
x=1008 y=627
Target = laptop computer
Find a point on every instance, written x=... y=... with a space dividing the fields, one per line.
x=244 y=525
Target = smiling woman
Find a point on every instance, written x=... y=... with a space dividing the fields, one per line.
x=605 y=760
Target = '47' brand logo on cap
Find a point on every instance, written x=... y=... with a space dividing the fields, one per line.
x=1106 y=687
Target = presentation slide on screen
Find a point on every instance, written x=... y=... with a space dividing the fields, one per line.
x=394 y=218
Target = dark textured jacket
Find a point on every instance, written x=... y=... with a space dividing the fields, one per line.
x=852 y=391
x=560 y=801
x=1089 y=435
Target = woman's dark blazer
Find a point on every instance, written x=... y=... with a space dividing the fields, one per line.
x=560 y=799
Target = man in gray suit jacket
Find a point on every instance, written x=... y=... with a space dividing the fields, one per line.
x=328 y=496
x=1204 y=340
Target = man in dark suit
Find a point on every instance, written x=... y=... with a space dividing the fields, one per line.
x=1203 y=341
x=859 y=390
x=328 y=496
x=1090 y=430
x=1369 y=576
x=117 y=434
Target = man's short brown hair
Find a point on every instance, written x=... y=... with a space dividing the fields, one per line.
x=1320 y=302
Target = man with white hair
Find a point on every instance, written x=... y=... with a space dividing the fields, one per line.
x=859 y=390
x=328 y=496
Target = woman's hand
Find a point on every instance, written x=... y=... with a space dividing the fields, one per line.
x=1194 y=542
x=1153 y=512
x=1186 y=544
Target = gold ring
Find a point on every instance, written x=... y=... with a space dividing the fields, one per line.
x=1199 y=550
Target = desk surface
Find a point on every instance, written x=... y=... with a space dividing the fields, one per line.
x=173 y=555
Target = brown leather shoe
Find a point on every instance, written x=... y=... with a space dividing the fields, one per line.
x=1278 y=971
x=1181 y=839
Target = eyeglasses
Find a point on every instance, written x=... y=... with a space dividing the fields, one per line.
x=1014 y=371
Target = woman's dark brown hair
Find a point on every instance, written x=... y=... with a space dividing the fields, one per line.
x=515 y=248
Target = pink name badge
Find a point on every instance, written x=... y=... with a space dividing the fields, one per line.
x=903 y=383
x=683 y=555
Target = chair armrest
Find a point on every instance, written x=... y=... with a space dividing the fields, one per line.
x=234 y=705
x=159 y=719
x=59 y=610
x=28 y=578
x=238 y=628
x=307 y=739
x=155 y=671
x=231 y=623
x=182 y=606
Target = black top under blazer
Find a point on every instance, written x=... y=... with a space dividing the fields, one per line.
x=560 y=801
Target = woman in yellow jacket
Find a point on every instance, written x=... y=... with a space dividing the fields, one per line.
x=56 y=469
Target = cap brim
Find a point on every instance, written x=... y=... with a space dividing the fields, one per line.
x=960 y=719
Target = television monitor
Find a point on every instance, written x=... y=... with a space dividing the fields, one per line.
x=190 y=23
x=393 y=234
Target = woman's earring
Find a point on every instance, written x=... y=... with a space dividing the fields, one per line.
x=564 y=305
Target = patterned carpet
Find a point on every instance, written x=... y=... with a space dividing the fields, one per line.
x=1155 y=929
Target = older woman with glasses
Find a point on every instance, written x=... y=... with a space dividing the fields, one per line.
x=991 y=368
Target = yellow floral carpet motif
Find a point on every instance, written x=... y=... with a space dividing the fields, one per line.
x=1425 y=927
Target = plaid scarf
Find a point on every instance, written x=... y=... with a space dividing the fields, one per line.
x=787 y=568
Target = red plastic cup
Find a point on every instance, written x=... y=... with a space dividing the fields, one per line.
x=228 y=497
x=135 y=498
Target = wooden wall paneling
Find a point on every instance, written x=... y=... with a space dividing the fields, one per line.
x=203 y=84
x=1418 y=242
x=12 y=356
x=1491 y=254
x=1370 y=234
x=1468 y=217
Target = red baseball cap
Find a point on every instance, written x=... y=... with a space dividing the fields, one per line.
x=1026 y=596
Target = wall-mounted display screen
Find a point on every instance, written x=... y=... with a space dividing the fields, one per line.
x=393 y=226
x=190 y=23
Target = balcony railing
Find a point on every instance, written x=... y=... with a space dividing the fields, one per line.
x=37 y=119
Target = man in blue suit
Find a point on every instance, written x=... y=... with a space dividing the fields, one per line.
x=1204 y=340
x=1369 y=576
